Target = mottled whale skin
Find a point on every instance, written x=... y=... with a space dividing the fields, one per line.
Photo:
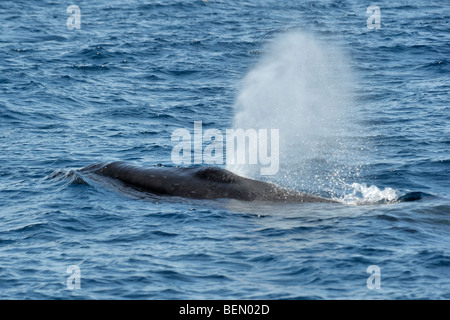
x=198 y=183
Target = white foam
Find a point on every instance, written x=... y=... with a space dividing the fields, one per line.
x=362 y=194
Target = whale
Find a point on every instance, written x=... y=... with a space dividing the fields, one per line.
x=198 y=183
x=209 y=183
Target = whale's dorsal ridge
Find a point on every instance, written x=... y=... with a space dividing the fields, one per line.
x=216 y=174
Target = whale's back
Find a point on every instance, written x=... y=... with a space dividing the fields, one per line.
x=198 y=182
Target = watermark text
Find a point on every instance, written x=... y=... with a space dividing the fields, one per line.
x=249 y=146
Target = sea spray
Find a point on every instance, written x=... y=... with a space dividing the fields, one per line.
x=362 y=194
x=301 y=87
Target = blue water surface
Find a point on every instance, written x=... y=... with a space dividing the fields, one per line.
x=118 y=87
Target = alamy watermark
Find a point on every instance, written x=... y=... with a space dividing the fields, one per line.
x=374 y=20
x=374 y=281
x=74 y=21
x=242 y=147
x=74 y=280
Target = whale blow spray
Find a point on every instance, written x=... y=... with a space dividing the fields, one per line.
x=300 y=87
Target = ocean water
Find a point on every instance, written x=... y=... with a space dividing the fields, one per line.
x=364 y=117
